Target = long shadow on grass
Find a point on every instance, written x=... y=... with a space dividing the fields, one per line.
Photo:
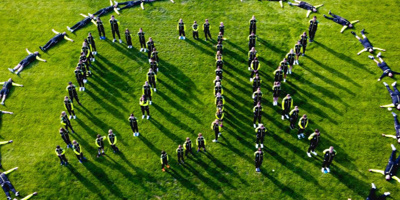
x=352 y=182
x=108 y=94
x=141 y=59
x=232 y=55
x=202 y=49
x=103 y=178
x=118 y=69
x=285 y=189
x=86 y=182
x=229 y=68
x=166 y=131
x=172 y=119
x=177 y=92
x=281 y=52
x=185 y=182
x=244 y=52
x=348 y=59
x=111 y=109
x=179 y=107
x=149 y=144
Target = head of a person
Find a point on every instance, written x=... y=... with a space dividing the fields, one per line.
x=253 y=17
x=304 y=33
x=259 y=149
x=10 y=80
x=36 y=53
x=63 y=113
x=371 y=50
x=216 y=121
x=330 y=149
x=150 y=39
x=142 y=98
x=112 y=17
x=218 y=53
x=220 y=34
x=316 y=131
x=221 y=23
x=140 y=30
x=288 y=96
x=131 y=115
x=206 y=20
x=217 y=78
x=255 y=59
x=84 y=43
x=58 y=146
x=305 y=116
x=314 y=10
x=154 y=49
x=181 y=21
x=65 y=98
x=200 y=135
x=261 y=125
x=280 y=68
x=259 y=104
x=80 y=61
x=195 y=22
x=98 y=19
x=398 y=140
x=162 y=152
x=252 y=33
x=70 y=83
x=64 y=33
x=98 y=136
x=350 y=25
x=253 y=49
x=388 y=177
x=296 y=108
x=126 y=30
x=257 y=76
x=116 y=5
x=74 y=142
x=298 y=42
x=78 y=68
x=90 y=34
x=390 y=74
x=218 y=68
x=62 y=129
x=258 y=89
x=218 y=94
x=110 y=131
x=179 y=146
x=150 y=70
x=284 y=59
x=91 y=16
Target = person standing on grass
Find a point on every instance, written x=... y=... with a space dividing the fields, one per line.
x=218 y=89
x=314 y=140
x=312 y=29
x=150 y=47
x=164 y=160
x=53 y=41
x=201 y=142
x=215 y=126
x=60 y=152
x=144 y=105
x=187 y=146
x=65 y=136
x=26 y=61
x=219 y=72
x=142 y=40
x=253 y=25
x=257 y=96
x=302 y=4
x=78 y=151
x=206 y=29
x=147 y=91
x=342 y=21
x=88 y=51
x=329 y=154
x=391 y=168
x=287 y=104
x=220 y=47
x=217 y=80
x=372 y=195
x=128 y=38
x=133 y=123
x=112 y=140
x=222 y=29
x=255 y=66
x=220 y=106
x=154 y=55
x=6 y=89
x=100 y=28
x=366 y=43
x=181 y=27
x=71 y=88
x=115 y=28
x=256 y=82
x=179 y=152
x=385 y=68
x=219 y=115
x=152 y=79
x=218 y=55
x=153 y=65
x=297 y=49
x=303 y=42
x=252 y=40
x=260 y=134
x=220 y=38
x=100 y=145
x=395 y=95
x=252 y=55
x=6 y=183
x=69 y=106
x=284 y=64
x=276 y=92
x=303 y=123
x=293 y=117
x=219 y=99
x=290 y=57
x=65 y=121
x=257 y=110
x=92 y=44
x=278 y=75
x=195 y=28
x=259 y=156
x=396 y=127
x=80 y=77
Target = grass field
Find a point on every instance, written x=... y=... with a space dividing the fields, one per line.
x=337 y=89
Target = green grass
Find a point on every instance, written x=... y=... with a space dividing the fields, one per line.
x=336 y=88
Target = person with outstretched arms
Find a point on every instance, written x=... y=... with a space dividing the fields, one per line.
x=342 y=21
x=7 y=85
x=26 y=61
x=392 y=166
x=396 y=127
x=82 y=23
x=56 y=39
x=366 y=43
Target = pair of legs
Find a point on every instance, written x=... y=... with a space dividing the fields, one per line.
x=216 y=133
x=100 y=151
x=258 y=164
x=393 y=92
x=102 y=33
x=152 y=82
x=305 y=46
x=181 y=159
x=3 y=94
x=68 y=124
x=312 y=147
x=164 y=163
x=115 y=148
x=188 y=150
x=201 y=146
x=80 y=82
x=285 y=112
x=195 y=35
x=49 y=44
x=67 y=140
x=72 y=97
x=393 y=158
x=20 y=66
x=207 y=34
x=257 y=117
x=260 y=140
x=145 y=108
x=135 y=127
x=253 y=29
x=71 y=112
x=77 y=26
x=7 y=187
x=63 y=159
x=80 y=157
x=182 y=33
x=372 y=195
x=301 y=133
x=312 y=35
x=142 y=42
x=292 y=122
x=115 y=31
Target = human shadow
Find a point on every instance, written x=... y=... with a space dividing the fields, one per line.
x=141 y=58
x=272 y=47
x=172 y=119
x=285 y=189
x=237 y=47
x=202 y=49
x=166 y=131
x=186 y=183
x=86 y=182
x=111 y=109
x=118 y=69
x=149 y=144
x=109 y=96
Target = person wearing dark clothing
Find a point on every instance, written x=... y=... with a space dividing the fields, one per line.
x=216 y=127
x=60 y=152
x=314 y=140
x=80 y=77
x=255 y=67
x=252 y=40
x=115 y=28
x=130 y=4
x=179 y=153
x=291 y=57
x=150 y=47
x=128 y=38
x=26 y=61
x=276 y=90
x=395 y=95
x=342 y=21
x=164 y=160
x=142 y=40
x=252 y=55
x=133 y=123
x=384 y=67
x=372 y=194
x=303 y=41
x=144 y=105
x=100 y=145
x=153 y=65
x=6 y=89
x=181 y=27
x=152 y=79
x=218 y=89
x=72 y=92
x=253 y=25
x=287 y=104
x=53 y=41
x=297 y=49
x=78 y=151
x=257 y=111
x=65 y=136
x=222 y=29
x=206 y=29
x=293 y=117
x=284 y=64
x=302 y=4
x=219 y=72
x=396 y=127
x=278 y=75
x=112 y=140
x=69 y=106
x=201 y=142
x=147 y=91
x=257 y=96
x=187 y=146
x=81 y=24
x=329 y=154
x=219 y=46
x=6 y=183
x=65 y=121
x=258 y=159
x=256 y=82
x=92 y=44
x=106 y=10
x=366 y=43
x=303 y=123
x=260 y=134
x=312 y=29
x=219 y=98
x=154 y=56
x=195 y=28
x=392 y=166
x=100 y=28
